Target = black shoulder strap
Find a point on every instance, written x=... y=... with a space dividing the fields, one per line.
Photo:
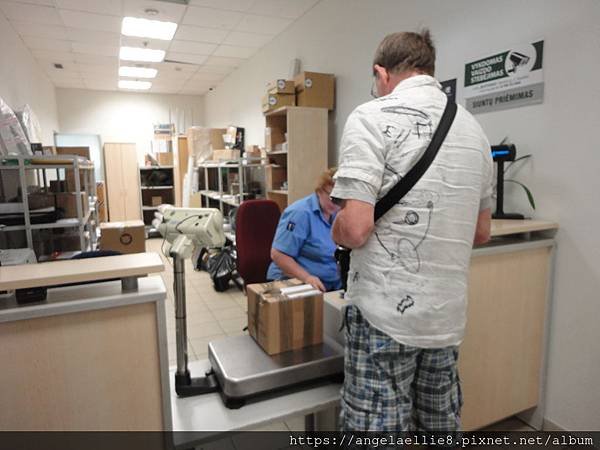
x=414 y=175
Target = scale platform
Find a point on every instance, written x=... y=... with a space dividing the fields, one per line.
x=243 y=370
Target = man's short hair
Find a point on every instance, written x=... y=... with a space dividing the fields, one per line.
x=400 y=52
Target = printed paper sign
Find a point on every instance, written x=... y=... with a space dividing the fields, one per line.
x=508 y=79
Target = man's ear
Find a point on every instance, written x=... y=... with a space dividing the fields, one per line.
x=381 y=72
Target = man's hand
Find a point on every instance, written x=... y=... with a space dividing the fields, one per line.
x=483 y=228
x=354 y=224
x=315 y=282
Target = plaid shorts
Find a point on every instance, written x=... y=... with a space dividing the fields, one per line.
x=390 y=387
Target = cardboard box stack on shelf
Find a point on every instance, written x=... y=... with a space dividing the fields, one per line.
x=84 y=152
x=101 y=195
x=162 y=143
x=315 y=90
x=279 y=93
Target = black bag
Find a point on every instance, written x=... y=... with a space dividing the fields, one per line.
x=221 y=267
x=395 y=194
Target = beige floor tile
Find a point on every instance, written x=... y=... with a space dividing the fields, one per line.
x=223 y=303
x=200 y=345
x=229 y=313
x=204 y=330
x=199 y=317
x=234 y=325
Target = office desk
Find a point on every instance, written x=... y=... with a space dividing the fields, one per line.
x=502 y=357
x=91 y=357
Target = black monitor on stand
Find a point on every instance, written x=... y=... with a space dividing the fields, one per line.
x=500 y=154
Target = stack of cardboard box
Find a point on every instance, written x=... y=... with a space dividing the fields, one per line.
x=316 y=90
x=279 y=93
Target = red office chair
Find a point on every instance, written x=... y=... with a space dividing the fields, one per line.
x=256 y=223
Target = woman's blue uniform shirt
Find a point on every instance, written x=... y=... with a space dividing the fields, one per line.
x=304 y=234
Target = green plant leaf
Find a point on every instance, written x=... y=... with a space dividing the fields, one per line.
x=527 y=191
x=520 y=158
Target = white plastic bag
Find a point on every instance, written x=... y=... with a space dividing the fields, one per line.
x=13 y=140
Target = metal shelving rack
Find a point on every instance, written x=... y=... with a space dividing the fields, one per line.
x=219 y=195
x=167 y=192
x=41 y=164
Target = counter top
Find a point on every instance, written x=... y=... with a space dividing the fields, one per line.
x=85 y=297
x=208 y=413
x=506 y=227
x=79 y=270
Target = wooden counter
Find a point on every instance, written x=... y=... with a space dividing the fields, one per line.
x=511 y=227
x=90 y=357
x=501 y=361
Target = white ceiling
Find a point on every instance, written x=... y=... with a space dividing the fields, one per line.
x=213 y=38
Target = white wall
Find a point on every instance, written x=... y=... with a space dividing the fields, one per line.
x=124 y=116
x=23 y=81
x=340 y=36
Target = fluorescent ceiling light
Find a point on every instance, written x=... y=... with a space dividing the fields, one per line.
x=137 y=72
x=137 y=85
x=141 y=54
x=145 y=28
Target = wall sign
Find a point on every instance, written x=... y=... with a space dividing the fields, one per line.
x=508 y=79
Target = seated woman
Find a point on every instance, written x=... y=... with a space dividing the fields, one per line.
x=303 y=247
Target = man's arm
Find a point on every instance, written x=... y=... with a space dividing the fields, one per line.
x=291 y=268
x=353 y=224
x=483 y=228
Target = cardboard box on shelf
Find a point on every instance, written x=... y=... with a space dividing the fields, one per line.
x=70 y=180
x=165 y=158
x=157 y=200
x=274 y=177
x=274 y=101
x=225 y=155
x=315 y=90
x=215 y=137
x=124 y=237
x=67 y=202
x=79 y=151
x=41 y=200
x=196 y=200
x=58 y=186
x=101 y=195
x=69 y=242
x=273 y=136
x=281 y=86
x=252 y=151
x=280 y=322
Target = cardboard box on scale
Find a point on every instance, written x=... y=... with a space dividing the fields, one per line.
x=280 y=322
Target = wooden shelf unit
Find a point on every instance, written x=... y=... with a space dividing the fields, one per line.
x=306 y=155
x=156 y=181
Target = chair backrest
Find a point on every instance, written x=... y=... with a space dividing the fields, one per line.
x=256 y=223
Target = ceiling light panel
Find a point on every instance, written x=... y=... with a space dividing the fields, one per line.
x=137 y=72
x=141 y=54
x=152 y=29
x=135 y=85
x=153 y=10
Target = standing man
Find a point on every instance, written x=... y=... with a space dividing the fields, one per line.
x=407 y=283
